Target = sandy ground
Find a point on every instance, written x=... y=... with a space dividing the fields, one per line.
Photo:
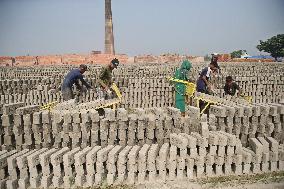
x=251 y=181
x=189 y=185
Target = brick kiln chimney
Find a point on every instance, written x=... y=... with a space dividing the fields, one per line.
x=109 y=39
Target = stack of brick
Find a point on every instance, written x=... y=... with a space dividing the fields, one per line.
x=187 y=156
x=34 y=171
x=7 y=125
x=112 y=164
x=91 y=159
x=4 y=155
x=101 y=169
x=13 y=177
x=80 y=161
x=249 y=120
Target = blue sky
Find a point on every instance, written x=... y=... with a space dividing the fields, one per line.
x=194 y=27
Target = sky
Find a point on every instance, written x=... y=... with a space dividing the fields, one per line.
x=192 y=27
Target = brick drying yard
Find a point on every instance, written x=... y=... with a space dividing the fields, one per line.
x=144 y=143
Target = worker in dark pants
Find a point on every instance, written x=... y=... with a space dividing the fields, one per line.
x=203 y=83
x=73 y=77
x=231 y=88
x=105 y=80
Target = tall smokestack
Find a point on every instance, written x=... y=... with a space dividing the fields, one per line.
x=109 y=39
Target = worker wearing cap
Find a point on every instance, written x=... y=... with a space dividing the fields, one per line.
x=105 y=78
x=203 y=85
x=73 y=77
x=231 y=88
x=180 y=88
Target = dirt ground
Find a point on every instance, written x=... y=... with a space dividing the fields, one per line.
x=259 y=181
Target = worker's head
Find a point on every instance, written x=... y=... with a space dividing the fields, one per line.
x=229 y=80
x=83 y=68
x=114 y=63
x=186 y=65
x=214 y=57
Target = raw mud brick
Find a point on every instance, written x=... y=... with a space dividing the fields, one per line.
x=132 y=163
x=273 y=144
x=218 y=111
x=178 y=141
x=231 y=139
x=273 y=110
x=190 y=167
x=247 y=111
x=221 y=125
x=45 y=161
x=56 y=160
x=141 y=129
x=172 y=165
x=37 y=118
x=12 y=166
x=162 y=158
x=247 y=157
x=7 y=120
x=201 y=141
x=212 y=122
x=22 y=163
x=122 y=164
x=191 y=141
x=186 y=125
x=142 y=162
x=103 y=154
x=68 y=160
x=94 y=115
x=12 y=183
x=104 y=126
x=4 y=157
x=213 y=138
x=122 y=114
x=237 y=159
x=80 y=159
x=91 y=159
x=101 y=158
x=256 y=146
x=109 y=114
x=46 y=181
x=76 y=115
x=85 y=116
x=255 y=110
x=204 y=129
x=112 y=133
x=209 y=161
x=230 y=111
x=264 y=110
x=222 y=139
x=239 y=111
x=152 y=155
x=245 y=125
x=112 y=159
x=265 y=144
x=46 y=117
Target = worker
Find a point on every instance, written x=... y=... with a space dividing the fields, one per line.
x=203 y=85
x=105 y=79
x=231 y=88
x=73 y=77
x=180 y=88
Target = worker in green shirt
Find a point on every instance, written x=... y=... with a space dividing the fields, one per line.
x=180 y=88
x=105 y=79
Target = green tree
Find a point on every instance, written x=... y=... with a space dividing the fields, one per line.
x=274 y=46
x=238 y=53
